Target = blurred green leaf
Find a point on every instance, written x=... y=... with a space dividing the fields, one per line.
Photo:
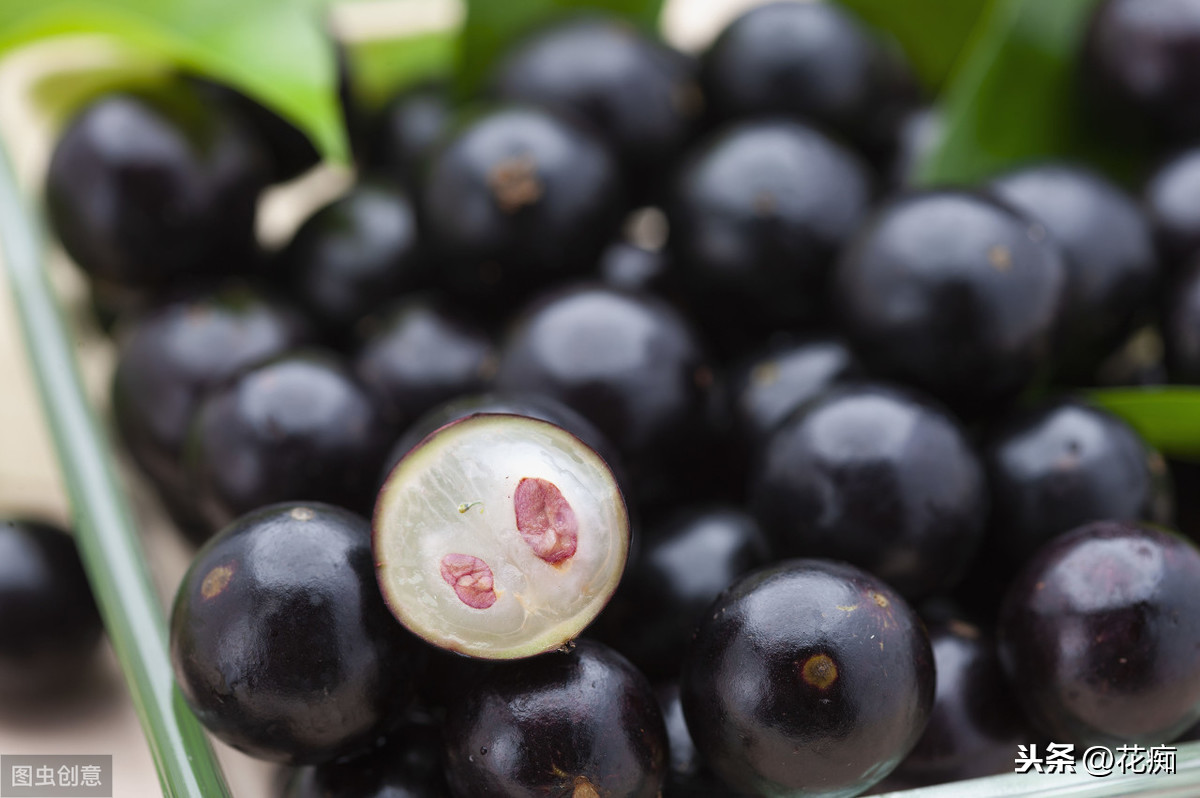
x=492 y=25
x=933 y=33
x=1168 y=417
x=382 y=67
x=276 y=51
x=1015 y=97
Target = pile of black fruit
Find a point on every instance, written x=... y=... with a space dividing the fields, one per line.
x=845 y=411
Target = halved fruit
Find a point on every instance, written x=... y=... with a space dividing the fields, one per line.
x=500 y=537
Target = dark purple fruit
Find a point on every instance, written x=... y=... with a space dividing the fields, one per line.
x=352 y=256
x=281 y=643
x=684 y=564
x=758 y=214
x=418 y=354
x=407 y=765
x=1181 y=328
x=173 y=354
x=687 y=775
x=1108 y=249
x=877 y=477
x=1063 y=464
x=406 y=131
x=517 y=200
x=954 y=293
x=1172 y=202
x=812 y=61
x=640 y=96
x=298 y=427
x=579 y=723
x=49 y=624
x=1146 y=56
x=808 y=678
x=1099 y=634
x=631 y=267
x=147 y=190
x=976 y=723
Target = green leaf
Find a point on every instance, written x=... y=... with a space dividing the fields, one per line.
x=382 y=67
x=1168 y=417
x=491 y=25
x=1015 y=98
x=933 y=33
x=275 y=51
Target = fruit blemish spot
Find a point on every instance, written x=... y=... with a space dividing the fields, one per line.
x=545 y=520
x=819 y=671
x=1000 y=257
x=584 y=789
x=216 y=581
x=302 y=514
x=471 y=578
x=514 y=183
x=879 y=599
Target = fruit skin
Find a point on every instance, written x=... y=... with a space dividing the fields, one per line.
x=1108 y=250
x=807 y=678
x=406 y=131
x=815 y=62
x=640 y=96
x=955 y=293
x=1181 y=328
x=1063 y=464
x=579 y=723
x=280 y=641
x=49 y=625
x=876 y=476
x=683 y=566
x=1172 y=203
x=758 y=213
x=1144 y=57
x=688 y=776
x=417 y=354
x=295 y=427
x=516 y=200
x=150 y=189
x=407 y=765
x=631 y=267
x=1099 y=632
x=350 y=257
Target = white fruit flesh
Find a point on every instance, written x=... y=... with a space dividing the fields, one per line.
x=500 y=537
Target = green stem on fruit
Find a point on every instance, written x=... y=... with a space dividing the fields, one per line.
x=105 y=532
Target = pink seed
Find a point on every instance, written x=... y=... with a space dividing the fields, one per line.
x=471 y=579
x=546 y=520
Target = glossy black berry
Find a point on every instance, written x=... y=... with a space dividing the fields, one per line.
x=954 y=293
x=1063 y=464
x=146 y=190
x=580 y=723
x=639 y=95
x=281 y=642
x=49 y=624
x=406 y=131
x=1099 y=633
x=517 y=200
x=812 y=61
x=976 y=722
x=1108 y=249
x=808 y=678
x=688 y=776
x=407 y=765
x=758 y=214
x=879 y=478
x=352 y=256
x=1172 y=202
x=174 y=353
x=418 y=354
x=684 y=564
x=1146 y=57
x=298 y=427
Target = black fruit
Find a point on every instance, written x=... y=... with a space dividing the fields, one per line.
x=1181 y=328
x=684 y=564
x=298 y=427
x=758 y=214
x=808 y=678
x=1172 y=202
x=281 y=643
x=879 y=478
x=1099 y=634
x=171 y=356
x=1108 y=249
x=631 y=267
x=517 y=200
x=579 y=723
x=146 y=190
x=49 y=624
x=418 y=354
x=406 y=131
x=639 y=95
x=812 y=61
x=688 y=776
x=350 y=257
x=1063 y=464
x=407 y=765
x=954 y=293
